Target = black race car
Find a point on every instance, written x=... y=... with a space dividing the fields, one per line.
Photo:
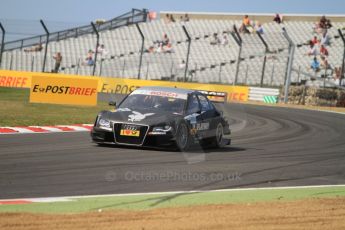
x=162 y=116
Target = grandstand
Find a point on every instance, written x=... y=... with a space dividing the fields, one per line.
x=247 y=59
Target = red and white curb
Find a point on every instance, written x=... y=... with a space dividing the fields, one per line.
x=45 y=129
x=34 y=200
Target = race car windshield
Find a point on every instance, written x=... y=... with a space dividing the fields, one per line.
x=140 y=101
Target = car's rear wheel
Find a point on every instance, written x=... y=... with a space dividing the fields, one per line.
x=183 y=139
x=219 y=136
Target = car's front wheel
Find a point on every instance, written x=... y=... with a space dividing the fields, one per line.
x=183 y=139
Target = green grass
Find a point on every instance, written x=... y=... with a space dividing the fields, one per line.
x=144 y=202
x=15 y=110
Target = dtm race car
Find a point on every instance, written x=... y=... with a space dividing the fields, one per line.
x=162 y=116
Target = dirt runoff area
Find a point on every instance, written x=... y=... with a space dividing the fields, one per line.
x=304 y=214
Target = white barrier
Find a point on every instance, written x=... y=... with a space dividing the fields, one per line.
x=258 y=94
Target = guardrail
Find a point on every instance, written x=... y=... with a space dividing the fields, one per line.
x=259 y=94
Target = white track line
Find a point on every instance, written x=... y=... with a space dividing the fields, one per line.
x=327 y=111
x=175 y=192
x=49 y=200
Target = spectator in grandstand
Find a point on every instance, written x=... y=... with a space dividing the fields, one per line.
x=165 y=40
x=168 y=48
x=325 y=40
x=314 y=41
x=324 y=63
x=322 y=22
x=186 y=18
x=246 y=26
x=35 y=48
x=172 y=19
x=325 y=23
x=322 y=25
x=101 y=50
x=259 y=28
x=152 y=15
x=151 y=49
x=277 y=19
x=246 y=20
x=160 y=48
x=89 y=58
x=58 y=60
x=315 y=64
x=312 y=50
x=167 y=18
x=225 y=40
x=337 y=74
x=215 y=40
x=323 y=51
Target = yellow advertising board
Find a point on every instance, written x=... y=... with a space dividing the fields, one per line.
x=19 y=79
x=63 y=90
x=125 y=86
x=15 y=79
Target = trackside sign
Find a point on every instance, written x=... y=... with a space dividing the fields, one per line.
x=14 y=79
x=63 y=90
x=215 y=92
x=17 y=79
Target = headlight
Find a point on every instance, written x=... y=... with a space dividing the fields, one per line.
x=165 y=128
x=105 y=124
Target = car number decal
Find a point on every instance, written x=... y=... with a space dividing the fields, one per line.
x=201 y=126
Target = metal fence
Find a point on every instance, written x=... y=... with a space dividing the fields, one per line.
x=132 y=17
x=271 y=53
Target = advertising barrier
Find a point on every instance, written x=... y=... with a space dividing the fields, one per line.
x=17 y=79
x=63 y=90
x=125 y=86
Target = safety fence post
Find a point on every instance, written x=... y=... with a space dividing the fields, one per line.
x=188 y=52
x=96 y=50
x=265 y=58
x=2 y=42
x=141 y=50
x=289 y=66
x=343 y=61
x=237 y=37
x=46 y=48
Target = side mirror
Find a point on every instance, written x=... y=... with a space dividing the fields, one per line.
x=112 y=103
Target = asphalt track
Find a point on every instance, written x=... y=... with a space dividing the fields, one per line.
x=271 y=147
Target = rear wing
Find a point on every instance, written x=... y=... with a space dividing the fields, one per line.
x=215 y=96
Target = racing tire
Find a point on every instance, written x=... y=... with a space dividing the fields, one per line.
x=183 y=138
x=218 y=139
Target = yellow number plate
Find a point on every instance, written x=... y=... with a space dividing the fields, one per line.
x=132 y=133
